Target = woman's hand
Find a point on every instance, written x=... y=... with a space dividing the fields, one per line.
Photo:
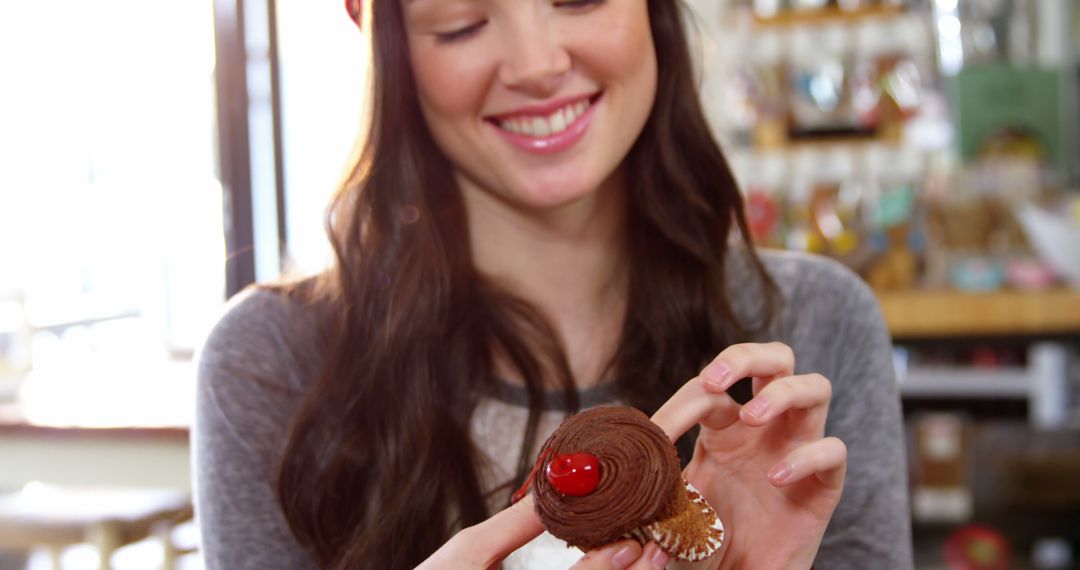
x=485 y=545
x=766 y=467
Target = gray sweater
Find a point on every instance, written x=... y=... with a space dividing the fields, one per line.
x=264 y=352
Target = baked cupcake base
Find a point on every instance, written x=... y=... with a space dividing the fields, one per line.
x=692 y=534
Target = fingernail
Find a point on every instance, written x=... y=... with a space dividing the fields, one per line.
x=659 y=559
x=624 y=558
x=780 y=472
x=716 y=373
x=757 y=407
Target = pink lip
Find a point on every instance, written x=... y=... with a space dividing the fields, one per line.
x=544 y=109
x=551 y=143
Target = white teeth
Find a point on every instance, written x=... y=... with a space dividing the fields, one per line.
x=541 y=127
x=554 y=123
x=570 y=114
x=558 y=122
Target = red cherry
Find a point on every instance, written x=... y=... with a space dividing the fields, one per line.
x=574 y=474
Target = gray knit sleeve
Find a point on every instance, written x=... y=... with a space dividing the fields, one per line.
x=834 y=325
x=844 y=336
x=250 y=377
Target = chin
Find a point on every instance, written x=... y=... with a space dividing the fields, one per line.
x=553 y=196
x=554 y=191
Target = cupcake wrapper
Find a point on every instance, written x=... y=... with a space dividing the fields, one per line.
x=705 y=535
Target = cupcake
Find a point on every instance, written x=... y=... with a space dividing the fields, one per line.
x=610 y=473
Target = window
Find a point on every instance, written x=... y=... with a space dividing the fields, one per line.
x=323 y=60
x=111 y=230
x=113 y=255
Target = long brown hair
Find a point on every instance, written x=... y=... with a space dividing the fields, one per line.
x=379 y=468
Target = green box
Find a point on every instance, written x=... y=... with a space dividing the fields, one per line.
x=988 y=99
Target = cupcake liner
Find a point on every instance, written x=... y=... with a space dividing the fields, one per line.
x=692 y=534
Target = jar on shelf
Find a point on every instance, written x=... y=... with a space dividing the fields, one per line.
x=895 y=217
x=762 y=78
x=886 y=81
x=819 y=95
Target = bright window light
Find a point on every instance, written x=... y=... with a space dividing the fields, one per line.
x=111 y=235
x=324 y=59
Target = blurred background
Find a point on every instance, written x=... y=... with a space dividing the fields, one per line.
x=156 y=158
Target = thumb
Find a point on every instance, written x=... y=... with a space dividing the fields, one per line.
x=615 y=556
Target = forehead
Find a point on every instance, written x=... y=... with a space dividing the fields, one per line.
x=428 y=5
x=421 y=3
x=432 y=4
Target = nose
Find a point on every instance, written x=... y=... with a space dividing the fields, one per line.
x=535 y=60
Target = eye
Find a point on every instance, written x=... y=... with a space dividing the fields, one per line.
x=460 y=35
x=577 y=4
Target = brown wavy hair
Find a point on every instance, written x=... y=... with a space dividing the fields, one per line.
x=379 y=468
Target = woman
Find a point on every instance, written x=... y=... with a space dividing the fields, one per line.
x=540 y=221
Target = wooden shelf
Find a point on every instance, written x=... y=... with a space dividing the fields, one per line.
x=832 y=15
x=928 y=314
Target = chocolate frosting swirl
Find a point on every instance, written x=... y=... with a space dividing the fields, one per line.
x=639 y=477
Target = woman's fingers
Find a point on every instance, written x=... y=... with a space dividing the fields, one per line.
x=508 y=530
x=486 y=544
x=695 y=404
x=825 y=458
x=754 y=360
x=624 y=555
x=618 y=556
x=809 y=393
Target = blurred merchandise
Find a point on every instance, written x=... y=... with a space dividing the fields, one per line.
x=897 y=224
x=819 y=89
x=912 y=178
x=977 y=548
x=1055 y=237
x=977 y=274
x=1043 y=480
x=1004 y=110
x=809 y=4
x=15 y=360
x=941 y=489
x=758 y=109
x=887 y=84
x=763 y=215
x=985 y=231
x=1028 y=274
x=1053 y=553
x=778 y=8
x=821 y=69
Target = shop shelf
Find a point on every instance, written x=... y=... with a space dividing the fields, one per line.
x=945 y=313
x=832 y=15
x=942 y=382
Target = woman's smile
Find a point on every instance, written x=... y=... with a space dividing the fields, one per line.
x=548 y=128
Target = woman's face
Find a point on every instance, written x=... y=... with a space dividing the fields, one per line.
x=536 y=102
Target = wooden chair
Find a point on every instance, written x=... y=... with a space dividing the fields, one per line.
x=58 y=517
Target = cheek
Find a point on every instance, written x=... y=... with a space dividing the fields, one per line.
x=624 y=51
x=449 y=86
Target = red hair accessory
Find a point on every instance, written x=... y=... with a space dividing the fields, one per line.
x=353 y=7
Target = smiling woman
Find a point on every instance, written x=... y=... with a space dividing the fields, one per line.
x=540 y=221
